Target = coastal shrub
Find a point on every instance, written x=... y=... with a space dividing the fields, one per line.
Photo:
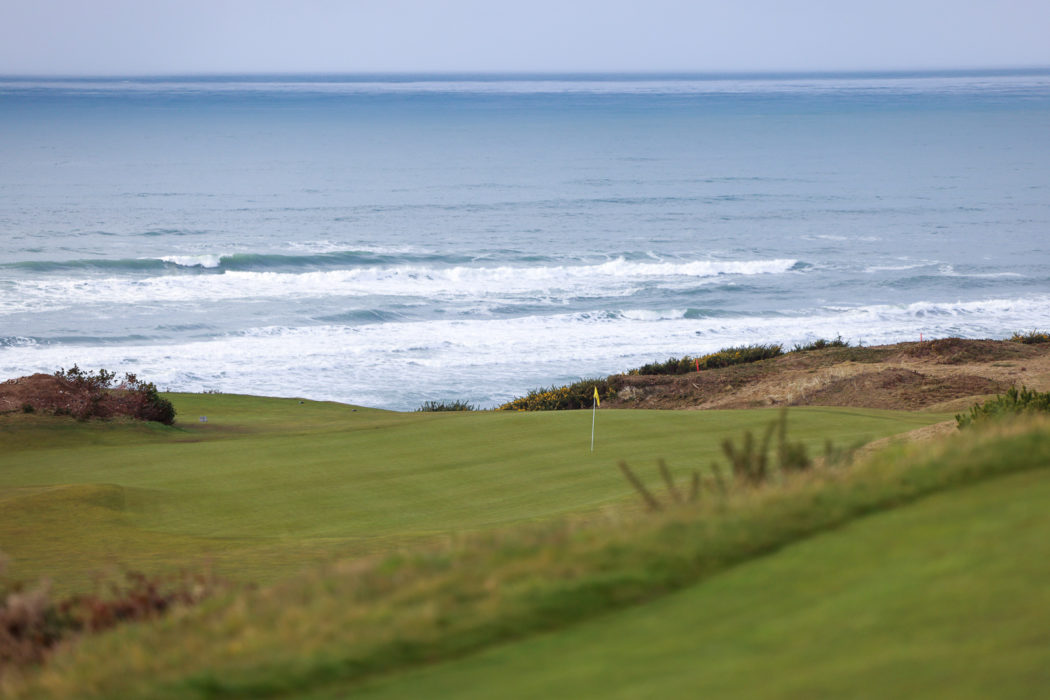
x=740 y=355
x=103 y=395
x=822 y=343
x=1031 y=337
x=1014 y=401
x=439 y=406
x=672 y=365
x=725 y=357
x=562 y=398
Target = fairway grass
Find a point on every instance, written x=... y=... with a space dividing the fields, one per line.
x=946 y=598
x=333 y=628
x=268 y=486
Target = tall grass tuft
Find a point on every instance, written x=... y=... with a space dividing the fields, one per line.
x=749 y=463
x=821 y=343
x=1013 y=402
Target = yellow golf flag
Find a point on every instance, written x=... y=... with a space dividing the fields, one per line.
x=597 y=401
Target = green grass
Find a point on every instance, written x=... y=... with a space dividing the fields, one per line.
x=946 y=598
x=334 y=627
x=268 y=486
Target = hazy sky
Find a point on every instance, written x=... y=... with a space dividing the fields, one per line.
x=217 y=36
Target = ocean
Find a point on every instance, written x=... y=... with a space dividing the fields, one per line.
x=390 y=240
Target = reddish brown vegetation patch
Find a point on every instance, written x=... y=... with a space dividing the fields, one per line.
x=32 y=623
x=55 y=395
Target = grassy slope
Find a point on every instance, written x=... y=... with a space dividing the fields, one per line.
x=354 y=620
x=268 y=485
x=945 y=598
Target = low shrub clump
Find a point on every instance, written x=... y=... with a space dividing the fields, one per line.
x=439 y=406
x=723 y=358
x=1031 y=337
x=101 y=395
x=1015 y=401
x=822 y=343
x=561 y=398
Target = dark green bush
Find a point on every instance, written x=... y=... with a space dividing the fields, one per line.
x=672 y=365
x=822 y=343
x=439 y=406
x=723 y=358
x=1014 y=401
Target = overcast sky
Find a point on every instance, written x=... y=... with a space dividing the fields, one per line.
x=126 y=37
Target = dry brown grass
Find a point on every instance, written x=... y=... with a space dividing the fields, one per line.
x=948 y=374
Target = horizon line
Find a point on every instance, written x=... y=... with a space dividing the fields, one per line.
x=551 y=74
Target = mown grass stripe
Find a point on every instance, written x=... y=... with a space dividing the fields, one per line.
x=591 y=573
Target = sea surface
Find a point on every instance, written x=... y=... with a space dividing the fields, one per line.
x=390 y=240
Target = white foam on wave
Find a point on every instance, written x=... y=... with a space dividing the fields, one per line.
x=651 y=315
x=205 y=261
x=894 y=268
x=617 y=277
x=950 y=271
x=401 y=364
x=320 y=247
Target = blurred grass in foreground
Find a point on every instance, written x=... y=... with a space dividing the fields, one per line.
x=346 y=623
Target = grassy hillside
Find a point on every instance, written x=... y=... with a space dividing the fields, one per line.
x=891 y=593
x=266 y=486
x=942 y=599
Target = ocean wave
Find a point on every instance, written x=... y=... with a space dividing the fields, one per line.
x=871 y=269
x=11 y=341
x=400 y=363
x=617 y=277
x=102 y=264
x=205 y=261
x=950 y=271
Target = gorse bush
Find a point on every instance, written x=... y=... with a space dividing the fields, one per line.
x=1031 y=337
x=723 y=358
x=1014 y=401
x=561 y=398
x=439 y=406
